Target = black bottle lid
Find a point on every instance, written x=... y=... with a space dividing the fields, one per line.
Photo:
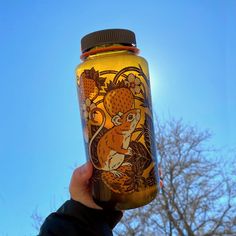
x=108 y=36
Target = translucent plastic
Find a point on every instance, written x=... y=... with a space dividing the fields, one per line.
x=116 y=113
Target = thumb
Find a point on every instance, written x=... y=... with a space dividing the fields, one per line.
x=79 y=186
x=80 y=177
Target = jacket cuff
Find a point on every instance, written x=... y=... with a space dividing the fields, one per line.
x=89 y=215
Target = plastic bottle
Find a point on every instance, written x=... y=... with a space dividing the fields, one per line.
x=117 y=120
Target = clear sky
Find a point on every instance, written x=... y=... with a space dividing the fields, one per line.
x=190 y=46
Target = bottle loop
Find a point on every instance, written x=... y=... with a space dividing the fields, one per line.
x=107 y=49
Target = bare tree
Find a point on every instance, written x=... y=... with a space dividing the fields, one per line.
x=198 y=196
x=37 y=220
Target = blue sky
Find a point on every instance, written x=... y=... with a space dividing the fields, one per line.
x=190 y=46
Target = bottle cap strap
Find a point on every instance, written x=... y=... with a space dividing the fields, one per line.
x=106 y=49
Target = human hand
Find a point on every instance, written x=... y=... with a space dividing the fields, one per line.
x=80 y=189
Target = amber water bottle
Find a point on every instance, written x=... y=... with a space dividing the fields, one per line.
x=116 y=112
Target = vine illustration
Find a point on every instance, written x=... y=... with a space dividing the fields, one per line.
x=131 y=160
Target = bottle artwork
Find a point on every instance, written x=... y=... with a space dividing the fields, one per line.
x=121 y=160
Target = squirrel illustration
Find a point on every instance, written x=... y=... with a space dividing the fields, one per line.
x=114 y=144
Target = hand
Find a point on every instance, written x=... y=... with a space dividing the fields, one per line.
x=80 y=189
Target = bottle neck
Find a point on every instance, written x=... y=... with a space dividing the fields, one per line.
x=108 y=48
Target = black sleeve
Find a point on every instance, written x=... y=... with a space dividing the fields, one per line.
x=74 y=218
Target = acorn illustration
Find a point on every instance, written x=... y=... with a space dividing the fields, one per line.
x=118 y=98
